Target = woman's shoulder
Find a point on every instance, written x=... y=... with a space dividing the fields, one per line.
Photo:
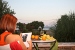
x=12 y=37
x=16 y=36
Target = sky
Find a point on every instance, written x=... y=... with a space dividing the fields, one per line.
x=47 y=11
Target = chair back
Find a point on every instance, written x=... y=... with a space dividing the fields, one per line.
x=5 y=47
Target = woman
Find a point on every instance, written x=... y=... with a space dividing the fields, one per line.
x=7 y=28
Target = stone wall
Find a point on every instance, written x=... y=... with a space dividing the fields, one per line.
x=61 y=46
x=66 y=48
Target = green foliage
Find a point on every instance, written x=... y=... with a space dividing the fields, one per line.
x=22 y=27
x=5 y=8
x=30 y=27
x=35 y=32
x=52 y=30
x=34 y=25
x=65 y=28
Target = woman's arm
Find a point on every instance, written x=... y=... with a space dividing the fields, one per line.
x=30 y=45
x=23 y=45
x=13 y=37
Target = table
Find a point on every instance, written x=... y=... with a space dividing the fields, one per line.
x=41 y=41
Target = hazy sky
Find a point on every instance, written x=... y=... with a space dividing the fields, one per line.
x=47 y=11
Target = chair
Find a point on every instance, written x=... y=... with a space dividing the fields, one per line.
x=12 y=46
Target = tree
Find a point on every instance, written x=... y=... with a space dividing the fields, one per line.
x=52 y=30
x=34 y=25
x=5 y=8
x=65 y=28
x=30 y=26
x=22 y=27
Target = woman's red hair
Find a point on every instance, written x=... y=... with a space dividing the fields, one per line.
x=8 y=23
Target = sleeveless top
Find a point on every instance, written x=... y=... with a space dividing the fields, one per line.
x=2 y=38
x=12 y=46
